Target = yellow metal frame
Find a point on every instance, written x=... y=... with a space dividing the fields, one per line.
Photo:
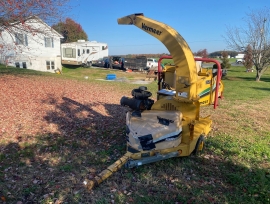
x=193 y=85
x=176 y=45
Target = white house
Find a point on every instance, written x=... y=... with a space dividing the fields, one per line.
x=240 y=56
x=38 y=50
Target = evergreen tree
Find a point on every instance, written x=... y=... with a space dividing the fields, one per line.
x=225 y=60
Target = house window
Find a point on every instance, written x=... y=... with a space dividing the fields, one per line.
x=69 y=52
x=87 y=51
x=50 y=65
x=79 y=53
x=21 y=39
x=24 y=65
x=17 y=64
x=48 y=42
x=83 y=51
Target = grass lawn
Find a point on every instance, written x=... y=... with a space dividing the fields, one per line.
x=57 y=130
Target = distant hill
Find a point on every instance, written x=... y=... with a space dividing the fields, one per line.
x=218 y=53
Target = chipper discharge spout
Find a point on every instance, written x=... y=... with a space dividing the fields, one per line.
x=171 y=125
x=176 y=45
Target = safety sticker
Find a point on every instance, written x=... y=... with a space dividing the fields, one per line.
x=183 y=94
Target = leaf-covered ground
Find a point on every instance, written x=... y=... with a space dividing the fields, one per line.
x=56 y=132
x=51 y=133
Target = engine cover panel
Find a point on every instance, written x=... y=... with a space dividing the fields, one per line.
x=155 y=129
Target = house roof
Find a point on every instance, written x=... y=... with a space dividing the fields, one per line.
x=41 y=21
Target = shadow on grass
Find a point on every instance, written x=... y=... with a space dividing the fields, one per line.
x=263 y=79
x=261 y=88
x=235 y=70
x=245 y=78
x=54 y=165
x=71 y=66
x=51 y=167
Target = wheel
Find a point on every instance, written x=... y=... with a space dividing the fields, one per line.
x=87 y=64
x=199 y=146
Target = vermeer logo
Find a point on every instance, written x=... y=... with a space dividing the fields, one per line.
x=147 y=28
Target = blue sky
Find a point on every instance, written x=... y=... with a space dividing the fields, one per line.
x=201 y=23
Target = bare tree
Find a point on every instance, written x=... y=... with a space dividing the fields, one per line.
x=202 y=53
x=253 y=32
x=19 y=16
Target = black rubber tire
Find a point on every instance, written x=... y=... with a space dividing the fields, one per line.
x=87 y=64
x=199 y=146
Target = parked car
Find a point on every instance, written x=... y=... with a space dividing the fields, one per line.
x=99 y=62
x=239 y=61
x=151 y=63
x=118 y=62
x=102 y=62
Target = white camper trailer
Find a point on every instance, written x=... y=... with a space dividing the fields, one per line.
x=83 y=52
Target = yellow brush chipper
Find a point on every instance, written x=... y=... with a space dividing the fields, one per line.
x=171 y=126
